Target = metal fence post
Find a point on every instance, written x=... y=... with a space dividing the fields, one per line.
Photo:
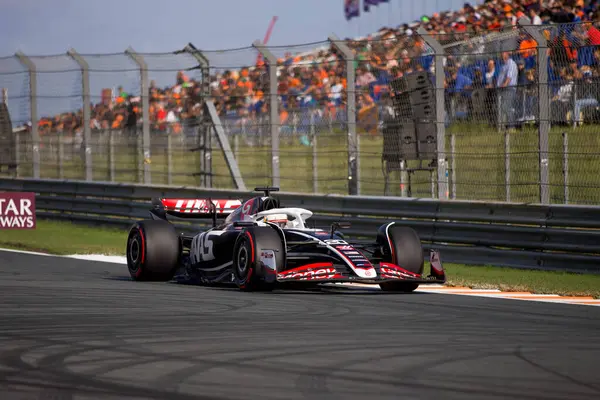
x=236 y=146
x=543 y=106
x=145 y=94
x=315 y=162
x=87 y=135
x=353 y=157
x=111 y=155
x=35 y=134
x=204 y=63
x=205 y=126
x=60 y=147
x=169 y=157
x=16 y=135
x=440 y=111
x=453 y=165
x=507 y=165
x=273 y=109
x=565 y=136
x=403 y=179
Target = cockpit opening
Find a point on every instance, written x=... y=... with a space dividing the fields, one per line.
x=281 y=220
x=285 y=217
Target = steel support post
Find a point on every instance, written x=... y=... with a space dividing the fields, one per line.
x=543 y=106
x=35 y=134
x=87 y=134
x=204 y=64
x=206 y=128
x=145 y=94
x=353 y=155
x=440 y=112
x=273 y=110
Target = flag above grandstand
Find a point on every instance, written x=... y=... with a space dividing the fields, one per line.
x=351 y=9
x=368 y=3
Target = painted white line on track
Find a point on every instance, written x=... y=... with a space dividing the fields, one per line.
x=27 y=252
x=86 y=257
x=100 y=258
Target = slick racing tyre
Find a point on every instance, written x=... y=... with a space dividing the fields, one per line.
x=406 y=252
x=153 y=249
x=257 y=255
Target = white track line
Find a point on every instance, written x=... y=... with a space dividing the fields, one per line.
x=87 y=257
x=101 y=258
x=437 y=289
x=27 y=252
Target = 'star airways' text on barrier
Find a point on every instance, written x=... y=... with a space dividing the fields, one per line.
x=17 y=210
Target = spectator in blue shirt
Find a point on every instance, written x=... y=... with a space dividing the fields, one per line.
x=507 y=84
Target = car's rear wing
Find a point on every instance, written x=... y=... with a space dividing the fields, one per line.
x=193 y=208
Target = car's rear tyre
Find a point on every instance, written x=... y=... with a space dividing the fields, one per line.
x=406 y=251
x=251 y=249
x=153 y=251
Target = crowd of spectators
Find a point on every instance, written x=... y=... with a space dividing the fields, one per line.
x=571 y=31
x=317 y=80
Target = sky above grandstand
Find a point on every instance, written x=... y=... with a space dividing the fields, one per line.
x=50 y=27
x=153 y=26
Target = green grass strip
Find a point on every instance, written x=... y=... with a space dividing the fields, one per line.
x=517 y=280
x=65 y=238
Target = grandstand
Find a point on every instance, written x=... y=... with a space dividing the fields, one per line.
x=315 y=80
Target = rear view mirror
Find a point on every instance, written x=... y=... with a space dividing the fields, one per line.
x=339 y=225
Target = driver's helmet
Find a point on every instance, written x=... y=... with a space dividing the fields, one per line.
x=280 y=220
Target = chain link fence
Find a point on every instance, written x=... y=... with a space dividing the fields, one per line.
x=519 y=117
x=489 y=82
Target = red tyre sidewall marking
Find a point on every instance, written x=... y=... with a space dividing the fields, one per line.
x=248 y=277
x=143 y=246
x=139 y=271
x=250 y=269
x=251 y=246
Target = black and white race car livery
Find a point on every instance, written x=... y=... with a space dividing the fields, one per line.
x=261 y=245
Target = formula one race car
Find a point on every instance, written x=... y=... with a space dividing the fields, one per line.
x=261 y=246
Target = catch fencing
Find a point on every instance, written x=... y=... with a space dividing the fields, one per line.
x=548 y=237
x=516 y=115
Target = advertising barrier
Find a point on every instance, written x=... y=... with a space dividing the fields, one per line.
x=17 y=210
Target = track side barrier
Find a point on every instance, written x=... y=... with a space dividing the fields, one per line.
x=532 y=236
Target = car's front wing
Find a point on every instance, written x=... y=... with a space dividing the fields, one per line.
x=383 y=272
x=374 y=281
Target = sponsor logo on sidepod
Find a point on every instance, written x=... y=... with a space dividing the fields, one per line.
x=323 y=273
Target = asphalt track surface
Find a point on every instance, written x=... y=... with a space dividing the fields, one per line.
x=72 y=329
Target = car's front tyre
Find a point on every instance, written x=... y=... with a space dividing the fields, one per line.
x=403 y=248
x=257 y=255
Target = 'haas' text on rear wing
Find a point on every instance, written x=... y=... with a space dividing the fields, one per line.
x=193 y=208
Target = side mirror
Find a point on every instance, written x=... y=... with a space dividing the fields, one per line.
x=339 y=225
